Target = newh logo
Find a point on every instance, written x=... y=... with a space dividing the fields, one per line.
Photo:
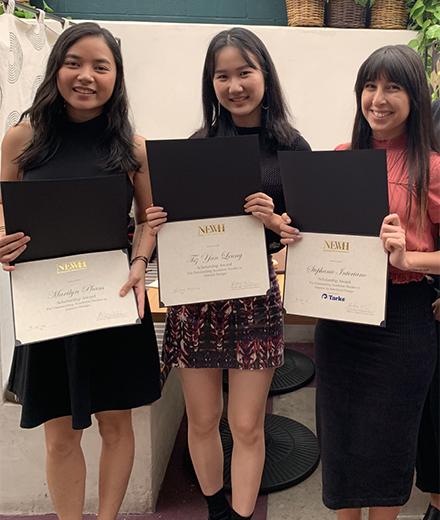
x=211 y=229
x=69 y=267
x=336 y=246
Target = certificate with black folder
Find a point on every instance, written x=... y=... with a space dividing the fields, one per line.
x=338 y=270
x=209 y=249
x=67 y=280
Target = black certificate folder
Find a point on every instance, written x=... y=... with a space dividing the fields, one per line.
x=69 y=216
x=344 y=192
x=204 y=178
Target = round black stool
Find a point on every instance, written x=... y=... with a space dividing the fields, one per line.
x=292 y=453
x=297 y=371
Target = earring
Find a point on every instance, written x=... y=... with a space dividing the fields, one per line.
x=218 y=108
x=263 y=106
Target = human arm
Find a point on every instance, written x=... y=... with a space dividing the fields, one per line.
x=143 y=241
x=14 y=142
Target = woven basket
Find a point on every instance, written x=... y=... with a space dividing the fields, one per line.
x=389 y=14
x=346 y=13
x=305 y=13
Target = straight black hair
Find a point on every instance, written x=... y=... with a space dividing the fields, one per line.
x=47 y=114
x=277 y=132
x=402 y=65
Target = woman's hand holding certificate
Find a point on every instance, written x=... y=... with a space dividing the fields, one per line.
x=394 y=241
x=136 y=281
x=11 y=247
x=288 y=233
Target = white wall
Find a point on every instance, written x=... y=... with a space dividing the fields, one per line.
x=317 y=68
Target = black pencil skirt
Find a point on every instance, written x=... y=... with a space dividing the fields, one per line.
x=428 y=448
x=371 y=387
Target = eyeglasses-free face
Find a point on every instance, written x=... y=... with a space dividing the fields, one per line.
x=87 y=78
x=239 y=87
x=386 y=107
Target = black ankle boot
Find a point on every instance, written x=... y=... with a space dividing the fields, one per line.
x=236 y=516
x=218 y=506
x=432 y=513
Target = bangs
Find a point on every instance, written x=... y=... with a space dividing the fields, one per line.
x=389 y=65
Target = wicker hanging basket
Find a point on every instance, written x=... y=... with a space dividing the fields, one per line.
x=305 y=13
x=389 y=14
x=346 y=13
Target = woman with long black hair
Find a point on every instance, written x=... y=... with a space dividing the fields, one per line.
x=78 y=126
x=241 y=95
x=372 y=381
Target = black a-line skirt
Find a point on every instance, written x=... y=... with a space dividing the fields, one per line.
x=371 y=387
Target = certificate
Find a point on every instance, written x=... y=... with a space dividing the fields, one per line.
x=212 y=259
x=70 y=295
x=327 y=276
x=209 y=249
x=338 y=201
x=67 y=281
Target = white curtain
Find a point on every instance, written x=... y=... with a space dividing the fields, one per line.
x=24 y=49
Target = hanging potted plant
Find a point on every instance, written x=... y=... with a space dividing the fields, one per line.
x=305 y=13
x=347 y=13
x=388 y=14
x=424 y=17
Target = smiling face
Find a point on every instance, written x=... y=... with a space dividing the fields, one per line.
x=386 y=107
x=239 y=87
x=86 y=78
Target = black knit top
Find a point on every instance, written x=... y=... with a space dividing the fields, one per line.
x=271 y=180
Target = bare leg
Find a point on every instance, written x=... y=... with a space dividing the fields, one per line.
x=116 y=461
x=202 y=388
x=383 y=513
x=248 y=390
x=65 y=467
x=349 y=514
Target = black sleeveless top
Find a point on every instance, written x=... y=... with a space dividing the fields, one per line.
x=78 y=156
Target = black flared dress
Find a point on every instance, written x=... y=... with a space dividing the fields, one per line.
x=110 y=369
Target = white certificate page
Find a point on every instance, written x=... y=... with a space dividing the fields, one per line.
x=337 y=277
x=212 y=259
x=69 y=295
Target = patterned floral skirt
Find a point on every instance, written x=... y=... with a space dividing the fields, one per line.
x=244 y=333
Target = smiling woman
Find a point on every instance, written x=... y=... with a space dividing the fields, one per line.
x=241 y=95
x=372 y=381
x=76 y=127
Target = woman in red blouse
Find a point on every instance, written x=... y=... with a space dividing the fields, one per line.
x=372 y=381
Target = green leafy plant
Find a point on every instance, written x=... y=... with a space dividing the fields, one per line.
x=424 y=17
x=21 y=13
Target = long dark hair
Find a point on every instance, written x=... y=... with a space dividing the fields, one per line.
x=47 y=114
x=402 y=65
x=277 y=132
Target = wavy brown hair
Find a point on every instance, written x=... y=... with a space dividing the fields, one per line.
x=47 y=114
